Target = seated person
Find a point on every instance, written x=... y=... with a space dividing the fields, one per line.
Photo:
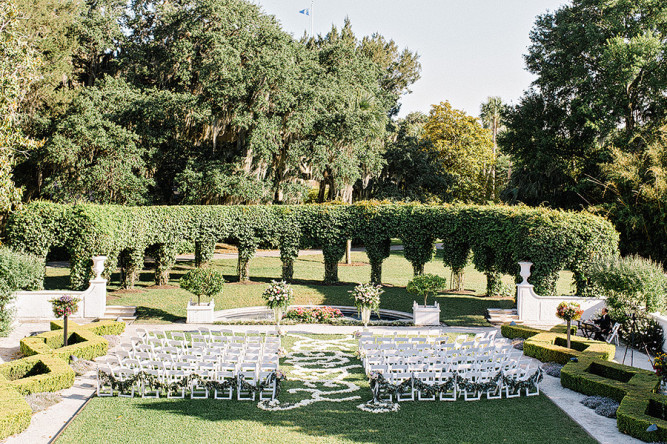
x=605 y=324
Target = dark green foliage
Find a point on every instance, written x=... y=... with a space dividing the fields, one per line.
x=501 y=236
x=425 y=284
x=18 y=271
x=552 y=347
x=202 y=282
x=84 y=344
x=100 y=328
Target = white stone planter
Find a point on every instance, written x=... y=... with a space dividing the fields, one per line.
x=426 y=314
x=200 y=314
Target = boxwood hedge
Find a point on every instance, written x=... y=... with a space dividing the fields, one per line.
x=497 y=236
x=551 y=347
x=45 y=367
x=634 y=388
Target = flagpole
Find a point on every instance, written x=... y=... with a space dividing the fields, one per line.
x=312 y=13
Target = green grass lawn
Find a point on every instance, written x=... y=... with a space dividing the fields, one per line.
x=168 y=304
x=136 y=420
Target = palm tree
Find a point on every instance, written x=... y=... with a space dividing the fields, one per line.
x=491 y=113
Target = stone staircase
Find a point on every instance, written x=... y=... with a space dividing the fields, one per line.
x=122 y=312
x=499 y=316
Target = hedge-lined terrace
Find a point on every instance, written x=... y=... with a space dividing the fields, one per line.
x=497 y=236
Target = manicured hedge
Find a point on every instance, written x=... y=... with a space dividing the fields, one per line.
x=100 y=328
x=497 y=236
x=550 y=347
x=85 y=344
x=36 y=374
x=634 y=388
x=523 y=332
x=15 y=413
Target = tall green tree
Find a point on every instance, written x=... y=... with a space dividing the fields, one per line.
x=600 y=67
x=18 y=70
x=464 y=150
x=492 y=113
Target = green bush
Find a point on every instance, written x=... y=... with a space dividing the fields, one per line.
x=630 y=284
x=84 y=344
x=426 y=284
x=35 y=374
x=634 y=388
x=551 y=347
x=15 y=413
x=497 y=237
x=523 y=332
x=18 y=271
x=100 y=328
x=202 y=282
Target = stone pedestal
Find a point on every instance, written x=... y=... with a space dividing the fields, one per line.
x=200 y=314
x=426 y=314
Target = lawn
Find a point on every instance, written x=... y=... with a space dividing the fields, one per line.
x=168 y=304
x=139 y=420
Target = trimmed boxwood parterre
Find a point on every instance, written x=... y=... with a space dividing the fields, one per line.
x=498 y=237
x=46 y=369
x=593 y=374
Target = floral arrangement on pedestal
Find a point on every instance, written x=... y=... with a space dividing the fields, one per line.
x=660 y=365
x=314 y=315
x=278 y=297
x=569 y=311
x=367 y=299
x=63 y=307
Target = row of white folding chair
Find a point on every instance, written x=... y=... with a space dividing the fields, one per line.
x=175 y=353
x=217 y=359
x=142 y=332
x=175 y=348
x=197 y=391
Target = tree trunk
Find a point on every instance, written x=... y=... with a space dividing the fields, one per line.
x=459 y=279
x=418 y=269
x=65 y=331
x=330 y=271
x=348 y=252
x=288 y=269
x=243 y=269
x=376 y=272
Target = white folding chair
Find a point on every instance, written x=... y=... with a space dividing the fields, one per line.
x=222 y=376
x=105 y=389
x=613 y=336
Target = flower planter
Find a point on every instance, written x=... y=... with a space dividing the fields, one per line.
x=426 y=315
x=200 y=314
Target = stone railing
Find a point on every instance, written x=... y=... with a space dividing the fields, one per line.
x=536 y=309
x=36 y=305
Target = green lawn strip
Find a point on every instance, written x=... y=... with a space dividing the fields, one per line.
x=139 y=420
x=157 y=305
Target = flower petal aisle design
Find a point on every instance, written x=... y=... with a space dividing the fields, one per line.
x=322 y=365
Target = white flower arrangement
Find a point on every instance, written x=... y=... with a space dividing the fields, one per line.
x=278 y=294
x=367 y=296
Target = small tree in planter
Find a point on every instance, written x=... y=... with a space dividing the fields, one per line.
x=367 y=299
x=63 y=307
x=278 y=297
x=202 y=282
x=569 y=311
x=425 y=284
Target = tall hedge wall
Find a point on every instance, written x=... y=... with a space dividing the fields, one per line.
x=497 y=236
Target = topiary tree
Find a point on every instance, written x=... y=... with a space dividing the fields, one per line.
x=425 y=284
x=64 y=307
x=202 y=282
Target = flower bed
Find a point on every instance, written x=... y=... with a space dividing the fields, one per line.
x=316 y=315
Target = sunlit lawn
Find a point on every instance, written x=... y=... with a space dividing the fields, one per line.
x=168 y=304
x=137 y=420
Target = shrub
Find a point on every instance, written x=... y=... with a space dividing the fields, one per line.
x=36 y=374
x=202 y=282
x=426 y=284
x=314 y=315
x=84 y=344
x=15 y=413
x=18 y=271
x=551 y=347
x=630 y=283
x=100 y=328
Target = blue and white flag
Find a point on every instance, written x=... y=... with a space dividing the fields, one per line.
x=305 y=11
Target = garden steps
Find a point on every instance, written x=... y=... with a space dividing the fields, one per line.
x=499 y=316
x=124 y=312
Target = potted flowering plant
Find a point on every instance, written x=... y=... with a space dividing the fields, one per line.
x=278 y=297
x=569 y=311
x=63 y=307
x=367 y=299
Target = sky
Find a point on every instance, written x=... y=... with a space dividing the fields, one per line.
x=469 y=49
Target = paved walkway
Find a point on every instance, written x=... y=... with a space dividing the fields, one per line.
x=47 y=424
